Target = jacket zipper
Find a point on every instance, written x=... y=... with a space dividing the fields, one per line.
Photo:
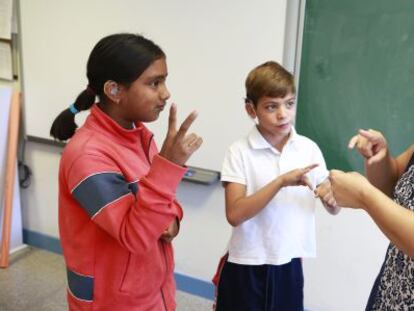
x=163 y=300
x=166 y=270
x=148 y=150
x=162 y=245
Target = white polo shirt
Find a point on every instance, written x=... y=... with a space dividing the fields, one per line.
x=285 y=228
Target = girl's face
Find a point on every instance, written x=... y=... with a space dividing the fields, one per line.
x=146 y=97
x=275 y=118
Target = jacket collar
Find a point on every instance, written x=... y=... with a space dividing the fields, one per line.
x=100 y=122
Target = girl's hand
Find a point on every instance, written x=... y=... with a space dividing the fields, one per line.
x=171 y=232
x=178 y=146
x=371 y=145
x=298 y=177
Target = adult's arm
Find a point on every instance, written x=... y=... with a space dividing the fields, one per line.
x=396 y=222
x=385 y=173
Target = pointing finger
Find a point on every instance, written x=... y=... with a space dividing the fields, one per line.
x=370 y=135
x=308 y=168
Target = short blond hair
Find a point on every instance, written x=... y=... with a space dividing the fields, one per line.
x=268 y=79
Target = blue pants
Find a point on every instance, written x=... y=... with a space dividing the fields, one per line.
x=261 y=288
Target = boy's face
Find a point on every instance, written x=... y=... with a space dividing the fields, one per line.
x=275 y=115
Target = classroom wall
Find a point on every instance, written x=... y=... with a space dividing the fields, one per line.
x=206 y=71
x=350 y=247
x=351 y=250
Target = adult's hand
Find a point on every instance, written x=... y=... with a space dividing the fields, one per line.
x=349 y=188
x=371 y=145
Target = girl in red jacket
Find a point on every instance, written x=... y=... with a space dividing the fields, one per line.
x=117 y=206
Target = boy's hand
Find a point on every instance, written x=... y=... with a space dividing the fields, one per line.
x=298 y=177
x=178 y=146
x=370 y=144
x=325 y=193
x=171 y=232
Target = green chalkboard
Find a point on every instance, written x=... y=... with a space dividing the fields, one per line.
x=357 y=71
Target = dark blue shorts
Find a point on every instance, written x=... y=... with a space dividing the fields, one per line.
x=260 y=288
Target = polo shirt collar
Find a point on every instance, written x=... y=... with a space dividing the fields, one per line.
x=257 y=141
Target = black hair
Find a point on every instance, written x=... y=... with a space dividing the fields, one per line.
x=119 y=57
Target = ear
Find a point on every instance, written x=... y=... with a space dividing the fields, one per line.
x=250 y=109
x=112 y=91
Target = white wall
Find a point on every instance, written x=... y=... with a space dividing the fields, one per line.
x=40 y=200
x=204 y=233
x=351 y=250
x=206 y=69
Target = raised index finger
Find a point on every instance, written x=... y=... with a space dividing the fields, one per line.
x=172 y=118
x=370 y=135
x=308 y=168
x=187 y=123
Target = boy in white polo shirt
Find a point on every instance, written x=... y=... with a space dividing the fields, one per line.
x=272 y=216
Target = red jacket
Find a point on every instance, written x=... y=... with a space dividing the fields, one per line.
x=116 y=198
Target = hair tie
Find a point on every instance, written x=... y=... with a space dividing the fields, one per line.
x=73 y=109
x=90 y=90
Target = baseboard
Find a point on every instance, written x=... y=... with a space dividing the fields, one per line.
x=18 y=248
x=184 y=282
x=194 y=286
x=42 y=241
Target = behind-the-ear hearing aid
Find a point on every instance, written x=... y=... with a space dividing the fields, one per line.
x=252 y=111
x=114 y=91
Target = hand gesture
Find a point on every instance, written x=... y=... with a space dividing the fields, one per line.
x=325 y=193
x=298 y=177
x=171 y=232
x=370 y=144
x=348 y=188
x=178 y=146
